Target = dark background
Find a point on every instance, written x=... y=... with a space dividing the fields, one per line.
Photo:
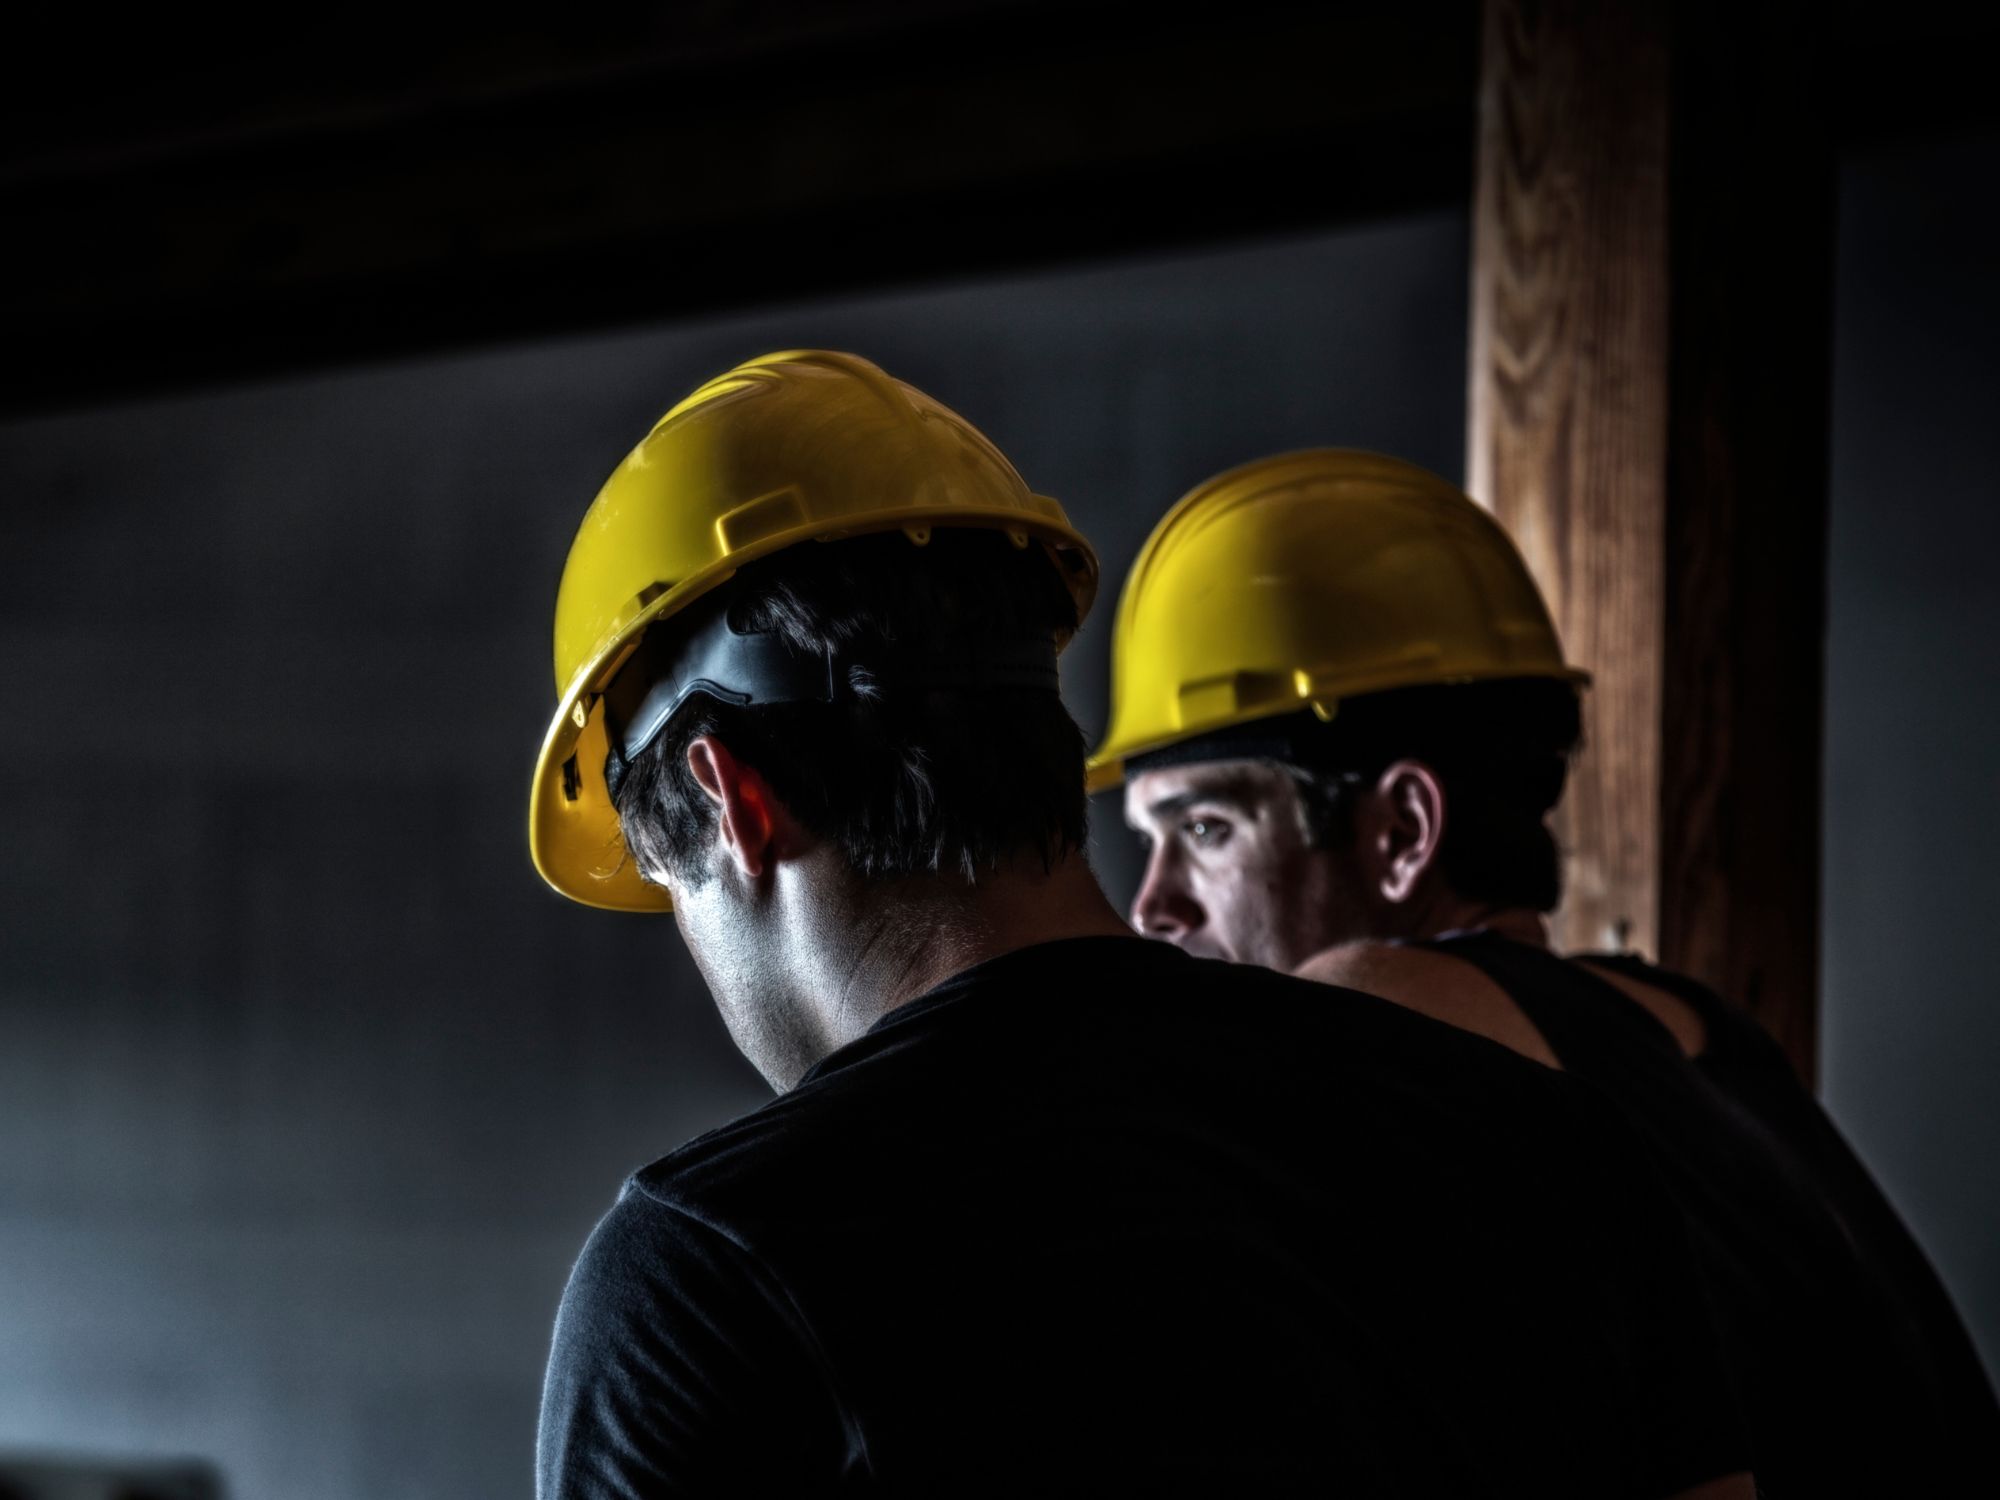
x=1911 y=1047
x=310 y=1090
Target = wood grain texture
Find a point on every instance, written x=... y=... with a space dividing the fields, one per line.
x=1568 y=399
x=1648 y=414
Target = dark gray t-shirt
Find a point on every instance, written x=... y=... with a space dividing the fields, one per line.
x=1096 y=1217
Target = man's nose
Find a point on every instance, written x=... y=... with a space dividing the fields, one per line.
x=1165 y=907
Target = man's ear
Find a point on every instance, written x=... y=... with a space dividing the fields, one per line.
x=751 y=822
x=1408 y=828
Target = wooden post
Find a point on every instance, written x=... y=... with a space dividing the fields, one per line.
x=1649 y=374
x=1568 y=400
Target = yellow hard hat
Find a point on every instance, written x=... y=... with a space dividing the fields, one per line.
x=1300 y=580
x=799 y=446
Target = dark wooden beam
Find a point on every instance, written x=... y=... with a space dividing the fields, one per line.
x=1650 y=374
x=922 y=144
x=1568 y=412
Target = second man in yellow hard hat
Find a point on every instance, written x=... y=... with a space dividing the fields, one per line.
x=1341 y=718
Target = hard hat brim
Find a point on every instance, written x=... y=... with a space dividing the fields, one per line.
x=1105 y=769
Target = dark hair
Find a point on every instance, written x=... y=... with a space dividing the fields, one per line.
x=1501 y=750
x=917 y=781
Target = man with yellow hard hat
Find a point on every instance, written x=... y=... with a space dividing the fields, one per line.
x=1042 y=1208
x=1341 y=717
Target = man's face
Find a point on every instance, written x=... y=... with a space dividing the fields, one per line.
x=1229 y=871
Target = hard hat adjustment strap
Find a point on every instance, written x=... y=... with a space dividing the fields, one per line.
x=699 y=652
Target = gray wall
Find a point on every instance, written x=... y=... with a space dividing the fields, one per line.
x=1911 y=1034
x=309 y=1090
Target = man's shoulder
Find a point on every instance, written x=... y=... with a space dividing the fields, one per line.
x=1358 y=1053
x=1424 y=979
x=764 y=1142
x=1435 y=984
x=1351 y=1008
x=1075 y=1050
x=1427 y=1092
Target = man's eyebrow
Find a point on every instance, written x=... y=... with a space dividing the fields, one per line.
x=1230 y=790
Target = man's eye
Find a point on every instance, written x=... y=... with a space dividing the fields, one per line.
x=1205 y=833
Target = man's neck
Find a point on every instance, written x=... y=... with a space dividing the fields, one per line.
x=1516 y=923
x=1449 y=913
x=913 y=936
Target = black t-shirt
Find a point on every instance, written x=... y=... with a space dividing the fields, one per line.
x=1099 y=1218
x=1856 y=1376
